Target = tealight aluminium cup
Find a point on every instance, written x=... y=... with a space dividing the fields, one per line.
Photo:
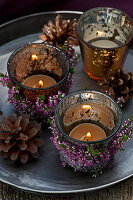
x=31 y=65
x=105 y=35
x=88 y=107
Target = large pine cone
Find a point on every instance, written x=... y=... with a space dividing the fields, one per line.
x=19 y=138
x=59 y=32
x=118 y=84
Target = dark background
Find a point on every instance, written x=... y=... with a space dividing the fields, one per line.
x=11 y=9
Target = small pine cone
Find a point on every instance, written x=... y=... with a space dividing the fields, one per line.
x=118 y=85
x=60 y=31
x=19 y=139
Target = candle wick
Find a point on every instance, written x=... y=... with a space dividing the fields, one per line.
x=87 y=111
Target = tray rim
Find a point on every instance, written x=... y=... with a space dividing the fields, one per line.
x=39 y=13
x=26 y=189
x=55 y=192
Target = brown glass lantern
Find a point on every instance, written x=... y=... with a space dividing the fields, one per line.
x=38 y=69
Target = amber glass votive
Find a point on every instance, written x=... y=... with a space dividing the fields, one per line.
x=39 y=69
x=105 y=35
x=88 y=117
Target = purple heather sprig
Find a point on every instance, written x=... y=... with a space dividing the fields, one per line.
x=40 y=109
x=5 y=80
x=94 y=158
x=121 y=101
x=73 y=58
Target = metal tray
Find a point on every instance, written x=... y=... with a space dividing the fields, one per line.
x=46 y=175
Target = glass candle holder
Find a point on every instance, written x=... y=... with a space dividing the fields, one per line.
x=38 y=69
x=104 y=35
x=87 y=121
x=88 y=117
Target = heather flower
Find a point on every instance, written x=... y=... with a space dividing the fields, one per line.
x=39 y=109
x=93 y=159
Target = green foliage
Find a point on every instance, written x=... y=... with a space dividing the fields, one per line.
x=72 y=70
x=96 y=152
x=9 y=85
x=2 y=75
x=62 y=146
x=41 y=98
x=66 y=47
x=16 y=96
x=47 y=108
x=70 y=146
x=59 y=96
x=131 y=118
x=90 y=150
x=121 y=149
x=125 y=138
x=16 y=88
x=58 y=139
x=78 y=56
x=50 y=121
x=52 y=98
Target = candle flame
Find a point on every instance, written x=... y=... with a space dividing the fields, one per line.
x=34 y=57
x=100 y=33
x=88 y=135
x=41 y=84
x=86 y=107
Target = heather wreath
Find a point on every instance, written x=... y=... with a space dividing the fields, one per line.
x=92 y=158
x=40 y=109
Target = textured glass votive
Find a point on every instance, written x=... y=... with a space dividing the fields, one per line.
x=104 y=35
x=96 y=112
x=39 y=69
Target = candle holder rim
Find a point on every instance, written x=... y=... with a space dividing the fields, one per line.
x=87 y=142
x=91 y=45
x=39 y=44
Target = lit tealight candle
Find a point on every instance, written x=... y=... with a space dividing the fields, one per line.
x=104 y=43
x=39 y=81
x=101 y=40
x=87 y=132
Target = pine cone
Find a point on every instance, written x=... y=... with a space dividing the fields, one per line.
x=56 y=34
x=118 y=84
x=19 y=138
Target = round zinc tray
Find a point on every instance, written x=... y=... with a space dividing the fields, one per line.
x=46 y=175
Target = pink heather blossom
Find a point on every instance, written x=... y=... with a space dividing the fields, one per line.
x=78 y=157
